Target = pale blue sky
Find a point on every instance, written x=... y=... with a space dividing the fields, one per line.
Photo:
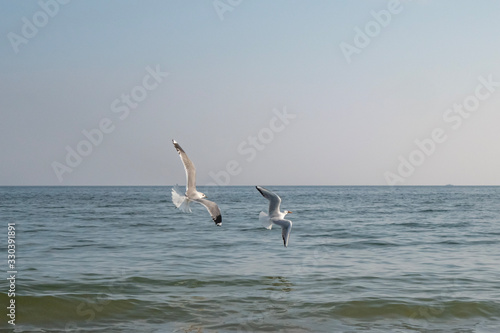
x=354 y=121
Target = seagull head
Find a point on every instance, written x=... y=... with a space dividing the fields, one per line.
x=288 y=212
x=203 y=196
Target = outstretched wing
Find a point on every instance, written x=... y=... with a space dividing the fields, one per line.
x=188 y=167
x=286 y=229
x=213 y=209
x=274 y=200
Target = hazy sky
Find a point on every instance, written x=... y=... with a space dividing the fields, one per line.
x=256 y=92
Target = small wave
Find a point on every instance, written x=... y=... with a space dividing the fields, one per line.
x=60 y=308
x=386 y=308
x=370 y=243
x=88 y=310
x=430 y=210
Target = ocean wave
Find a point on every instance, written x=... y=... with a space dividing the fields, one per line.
x=433 y=210
x=93 y=311
x=87 y=309
x=392 y=308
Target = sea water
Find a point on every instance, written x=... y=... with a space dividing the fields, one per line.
x=374 y=259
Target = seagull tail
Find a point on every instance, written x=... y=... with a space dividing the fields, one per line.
x=180 y=201
x=265 y=220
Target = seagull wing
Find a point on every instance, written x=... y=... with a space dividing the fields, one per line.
x=213 y=209
x=286 y=229
x=274 y=200
x=189 y=168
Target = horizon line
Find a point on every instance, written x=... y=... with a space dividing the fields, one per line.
x=402 y=185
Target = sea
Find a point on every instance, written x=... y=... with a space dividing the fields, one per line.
x=359 y=259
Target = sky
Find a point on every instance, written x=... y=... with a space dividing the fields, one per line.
x=256 y=92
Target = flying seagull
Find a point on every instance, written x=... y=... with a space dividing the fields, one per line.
x=182 y=201
x=275 y=216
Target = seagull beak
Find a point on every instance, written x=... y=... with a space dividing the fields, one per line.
x=289 y=212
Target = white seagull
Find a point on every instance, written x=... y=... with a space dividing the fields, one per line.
x=275 y=216
x=182 y=201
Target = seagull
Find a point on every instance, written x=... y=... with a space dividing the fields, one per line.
x=182 y=201
x=275 y=216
